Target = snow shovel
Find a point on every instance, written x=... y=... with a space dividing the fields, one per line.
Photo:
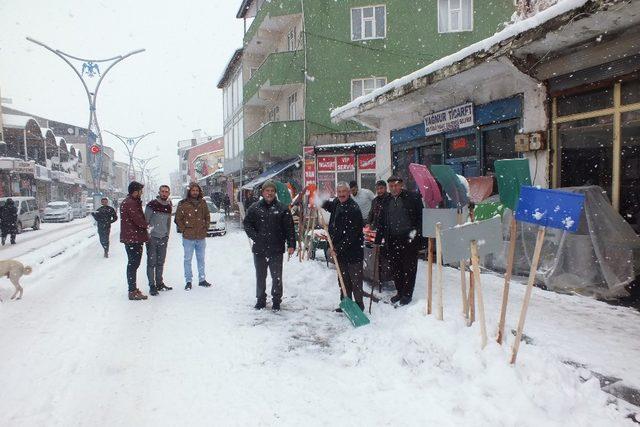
x=512 y=174
x=350 y=308
x=545 y=208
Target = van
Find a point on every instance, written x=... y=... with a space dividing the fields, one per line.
x=28 y=213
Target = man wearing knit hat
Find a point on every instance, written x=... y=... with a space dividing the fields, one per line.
x=269 y=225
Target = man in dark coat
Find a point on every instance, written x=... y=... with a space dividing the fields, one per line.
x=9 y=221
x=158 y=216
x=269 y=225
x=105 y=216
x=133 y=233
x=382 y=197
x=345 y=229
x=400 y=225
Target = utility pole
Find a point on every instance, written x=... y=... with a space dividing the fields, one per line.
x=90 y=67
x=130 y=143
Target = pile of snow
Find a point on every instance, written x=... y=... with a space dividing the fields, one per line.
x=527 y=8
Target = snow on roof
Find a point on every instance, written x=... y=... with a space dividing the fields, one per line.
x=15 y=121
x=348 y=145
x=563 y=6
x=45 y=131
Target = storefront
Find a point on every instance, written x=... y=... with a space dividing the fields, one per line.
x=467 y=137
x=43 y=185
x=326 y=165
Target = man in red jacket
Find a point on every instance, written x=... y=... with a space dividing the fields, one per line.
x=133 y=233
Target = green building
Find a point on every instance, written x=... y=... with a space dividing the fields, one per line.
x=303 y=58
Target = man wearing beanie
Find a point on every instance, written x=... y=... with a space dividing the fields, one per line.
x=381 y=199
x=269 y=225
x=133 y=233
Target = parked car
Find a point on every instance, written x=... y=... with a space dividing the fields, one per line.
x=217 y=225
x=79 y=211
x=28 y=213
x=58 y=212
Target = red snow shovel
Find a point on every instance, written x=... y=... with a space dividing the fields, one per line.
x=350 y=308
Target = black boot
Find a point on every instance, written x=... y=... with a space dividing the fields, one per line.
x=396 y=298
x=276 y=306
x=163 y=287
x=153 y=290
x=204 y=284
x=106 y=253
x=405 y=300
x=260 y=305
x=187 y=286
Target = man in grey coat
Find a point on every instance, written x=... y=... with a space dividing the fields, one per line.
x=158 y=215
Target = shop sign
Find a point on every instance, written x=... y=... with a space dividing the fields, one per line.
x=346 y=163
x=6 y=164
x=42 y=173
x=326 y=163
x=449 y=120
x=309 y=172
x=366 y=162
x=459 y=144
x=20 y=166
x=308 y=152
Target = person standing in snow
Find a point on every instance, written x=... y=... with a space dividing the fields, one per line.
x=104 y=216
x=345 y=229
x=400 y=225
x=133 y=233
x=363 y=197
x=192 y=220
x=269 y=225
x=158 y=216
x=9 y=221
x=382 y=197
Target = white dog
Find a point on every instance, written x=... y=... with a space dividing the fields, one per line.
x=14 y=270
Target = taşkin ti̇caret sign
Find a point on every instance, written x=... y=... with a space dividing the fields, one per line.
x=453 y=118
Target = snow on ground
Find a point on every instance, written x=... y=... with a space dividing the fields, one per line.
x=75 y=351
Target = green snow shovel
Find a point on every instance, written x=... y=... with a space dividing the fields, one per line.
x=350 y=308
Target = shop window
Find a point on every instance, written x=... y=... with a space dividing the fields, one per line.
x=630 y=92
x=368 y=181
x=346 y=176
x=431 y=154
x=461 y=146
x=455 y=16
x=630 y=168
x=327 y=183
x=586 y=152
x=401 y=162
x=368 y=22
x=598 y=99
x=498 y=144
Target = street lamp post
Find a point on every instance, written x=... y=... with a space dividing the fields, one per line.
x=91 y=67
x=130 y=144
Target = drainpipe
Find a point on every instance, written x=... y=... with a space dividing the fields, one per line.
x=304 y=103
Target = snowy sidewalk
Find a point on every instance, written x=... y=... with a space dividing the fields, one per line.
x=75 y=351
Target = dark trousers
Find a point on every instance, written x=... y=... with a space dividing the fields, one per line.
x=274 y=264
x=6 y=233
x=403 y=261
x=156 y=254
x=134 y=255
x=103 y=234
x=352 y=276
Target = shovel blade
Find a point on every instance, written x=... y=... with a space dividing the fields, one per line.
x=355 y=315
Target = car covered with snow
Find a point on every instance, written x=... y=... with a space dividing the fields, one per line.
x=217 y=224
x=79 y=210
x=58 y=212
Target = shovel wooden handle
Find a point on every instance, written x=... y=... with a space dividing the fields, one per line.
x=440 y=309
x=332 y=252
x=475 y=262
x=513 y=229
x=429 y=275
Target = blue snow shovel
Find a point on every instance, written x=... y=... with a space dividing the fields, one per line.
x=545 y=208
x=348 y=306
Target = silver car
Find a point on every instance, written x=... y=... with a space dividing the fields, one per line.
x=28 y=213
x=58 y=212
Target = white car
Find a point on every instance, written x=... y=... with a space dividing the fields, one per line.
x=217 y=225
x=28 y=213
x=58 y=212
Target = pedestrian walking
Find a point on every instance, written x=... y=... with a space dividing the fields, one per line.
x=104 y=216
x=399 y=225
x=158 y=216
x=363 y=197
x=192 y=220
x=269 y=225
x=382 y=197
x=345 y=229
x=133 y=233
x=9 y=221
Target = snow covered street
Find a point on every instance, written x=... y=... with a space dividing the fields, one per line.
x=75 y=351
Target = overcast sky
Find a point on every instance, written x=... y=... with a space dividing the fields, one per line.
x=170 y=88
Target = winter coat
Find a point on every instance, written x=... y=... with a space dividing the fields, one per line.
x=105 y=216
x=9 y=217
x=376 y=208
x=269 y=226
x=133 y=225
x=192 y=218
x=363 y=198
x=158 y=216
x=345 y=229
x=412 y=206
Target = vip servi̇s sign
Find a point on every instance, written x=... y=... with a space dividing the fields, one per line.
x=453 y=118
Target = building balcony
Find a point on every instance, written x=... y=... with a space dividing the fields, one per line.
x=279 y=70
x=275 y=140
x=272 y=18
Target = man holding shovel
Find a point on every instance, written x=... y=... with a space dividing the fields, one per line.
x=269 y=225
x=345 y=229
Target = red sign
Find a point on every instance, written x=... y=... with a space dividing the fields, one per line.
x=95 y=149
x=346 y=163
x=459 y=144
x=308 y=152
x=309 y=172
x=366 y=162
x=326 y=163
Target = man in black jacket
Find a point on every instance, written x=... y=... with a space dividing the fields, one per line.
x=382 y=197
x=345 y=229
x=105 y=216
x=9 y=221
x=269 y=225
x=400 y=225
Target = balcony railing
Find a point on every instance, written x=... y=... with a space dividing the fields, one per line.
x=280 y=68
x=276 y=139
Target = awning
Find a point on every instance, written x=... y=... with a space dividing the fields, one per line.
x=217 y=172
x=273 y=171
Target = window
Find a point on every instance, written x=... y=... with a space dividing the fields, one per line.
x=32 y=205
x=252 y=71
x=274 y=114
x=455 y=16
x=293 y=106
x=292 y=40
x=368 y=22
x=361 y=87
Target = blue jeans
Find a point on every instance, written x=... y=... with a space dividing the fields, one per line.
x=199 y=247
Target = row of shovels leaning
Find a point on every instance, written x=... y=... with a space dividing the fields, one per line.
x=459 y=238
